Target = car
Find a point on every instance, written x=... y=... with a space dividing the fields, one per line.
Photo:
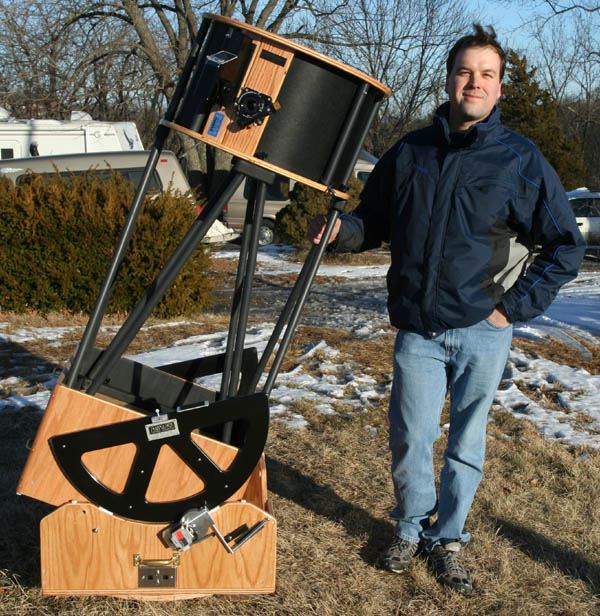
x=168 y=174
x=277 y=197
x=586 y=207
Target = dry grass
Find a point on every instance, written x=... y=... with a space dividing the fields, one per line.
x=535 y=522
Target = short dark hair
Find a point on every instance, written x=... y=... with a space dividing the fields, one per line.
x=481 y=38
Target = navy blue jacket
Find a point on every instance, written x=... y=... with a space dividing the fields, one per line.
x=462 y=220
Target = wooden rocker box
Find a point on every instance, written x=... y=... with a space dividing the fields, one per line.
x=86 y=550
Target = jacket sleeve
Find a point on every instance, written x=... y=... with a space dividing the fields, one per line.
x=369 y=224
x=554 y=228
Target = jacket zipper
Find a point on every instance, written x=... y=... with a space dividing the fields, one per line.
x=452 y=161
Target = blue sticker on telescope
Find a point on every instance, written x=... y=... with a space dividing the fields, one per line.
x=215 y=125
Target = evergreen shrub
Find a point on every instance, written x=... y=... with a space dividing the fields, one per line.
x=306 y=203
x=57 y=237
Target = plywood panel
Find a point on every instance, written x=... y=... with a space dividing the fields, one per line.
x=85 y=551
x=69 y=411
x=99 y=463
x=265 y=77
x=262 y=75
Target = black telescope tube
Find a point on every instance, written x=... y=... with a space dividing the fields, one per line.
x=259 y=194
x=311 y=265
x=259 y=206
x=190 y=63
x=238 y=292
x=360 y=142
x=300 y=291
x=283 y=318
x=106 y=289
x=340 y=145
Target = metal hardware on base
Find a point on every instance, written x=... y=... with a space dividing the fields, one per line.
x=191 y=528
x=157 y=577
x=170 y=562
x=194 y=525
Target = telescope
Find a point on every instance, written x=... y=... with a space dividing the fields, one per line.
x=160 y=483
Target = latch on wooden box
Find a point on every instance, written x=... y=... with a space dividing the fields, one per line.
x=157 y=573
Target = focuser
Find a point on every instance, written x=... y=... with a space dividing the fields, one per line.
x=253 y=107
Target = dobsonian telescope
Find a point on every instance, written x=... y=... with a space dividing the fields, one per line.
x=159 y=483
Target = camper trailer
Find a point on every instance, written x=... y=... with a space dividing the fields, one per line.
x=24 y=138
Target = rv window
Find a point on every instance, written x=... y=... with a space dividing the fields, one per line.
x=133 y=175
x=7 y=153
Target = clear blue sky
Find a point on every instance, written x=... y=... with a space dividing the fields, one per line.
x=507 y=20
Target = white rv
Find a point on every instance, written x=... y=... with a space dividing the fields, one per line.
x=24 y=138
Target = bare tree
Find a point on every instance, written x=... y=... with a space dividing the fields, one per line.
x=568 y=6
x=53 y=67
x=403 y=45
x=566 y=49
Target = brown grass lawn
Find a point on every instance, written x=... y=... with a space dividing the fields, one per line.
x=535 y=522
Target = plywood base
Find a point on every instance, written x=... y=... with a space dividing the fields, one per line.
x=86 y=551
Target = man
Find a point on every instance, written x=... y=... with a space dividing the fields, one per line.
x=462 y=203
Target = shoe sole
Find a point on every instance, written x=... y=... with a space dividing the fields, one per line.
x=463 y=590
x=460 y=589
x=401 y=568
x=387 y=567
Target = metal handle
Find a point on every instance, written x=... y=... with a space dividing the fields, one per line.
x=171 y=562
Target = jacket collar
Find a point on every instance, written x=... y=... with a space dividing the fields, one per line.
x=477 y=135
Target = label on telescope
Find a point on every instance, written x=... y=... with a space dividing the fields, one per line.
x=162 y=429
x=215 y=124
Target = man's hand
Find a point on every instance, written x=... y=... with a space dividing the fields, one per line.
x=316 y=226
x=498 y=317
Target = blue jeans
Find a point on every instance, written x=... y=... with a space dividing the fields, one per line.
x=467 y=362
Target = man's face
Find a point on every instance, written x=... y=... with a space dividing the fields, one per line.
x=473 y=86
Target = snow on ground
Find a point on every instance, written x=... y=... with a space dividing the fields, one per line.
x=358 y=306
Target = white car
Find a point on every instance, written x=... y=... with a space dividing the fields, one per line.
x=586 y=206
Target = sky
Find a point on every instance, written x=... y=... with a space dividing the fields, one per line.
x=513 y=19
x=575 y=314
x=507 y=19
